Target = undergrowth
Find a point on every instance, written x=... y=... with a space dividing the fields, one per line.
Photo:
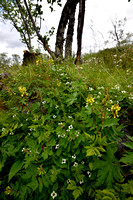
x=61 y=126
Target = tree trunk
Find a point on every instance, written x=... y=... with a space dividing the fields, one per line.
x=70 y=32
x=80 y=29
x=62 y=26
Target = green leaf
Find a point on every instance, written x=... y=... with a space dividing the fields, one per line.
x=128 y=144
x=72 y=185
x=45 y=155
x=130 y=137
x=110 y=122
x=108 y=168
x=15 y=168
x=128 y=187
x=71 y=98
x=33 y=184
x=77 y=192
x=106 y=194
x=94 y=151
x=127 y=158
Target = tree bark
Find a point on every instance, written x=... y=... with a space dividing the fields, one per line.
x=62 y=26
x=70 y=32
x=80 y=30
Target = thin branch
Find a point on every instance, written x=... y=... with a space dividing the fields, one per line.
x=37 y=32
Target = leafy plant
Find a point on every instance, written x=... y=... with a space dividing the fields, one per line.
x=60 y=130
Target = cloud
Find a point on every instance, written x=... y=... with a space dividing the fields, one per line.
x=9 y=36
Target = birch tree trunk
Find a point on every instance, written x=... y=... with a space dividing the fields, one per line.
x=80 y=30
x=65 y=16
x=70 y=32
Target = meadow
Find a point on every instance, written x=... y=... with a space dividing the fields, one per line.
x=66 y=130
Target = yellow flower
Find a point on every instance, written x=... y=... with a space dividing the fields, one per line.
x=41 y=170
x=115 y=108
x=58 y=84
x=89 y=100
x=8 y=190
x=23 y=91
x=39 y=61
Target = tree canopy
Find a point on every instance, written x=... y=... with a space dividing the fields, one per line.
x=27 y=16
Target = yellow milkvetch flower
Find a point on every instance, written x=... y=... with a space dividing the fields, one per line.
x=58 y=84
x=23 y=90
x=8 y=190
x=41 y=170
x=39 y=61
x=114 y=109
x=89 y=100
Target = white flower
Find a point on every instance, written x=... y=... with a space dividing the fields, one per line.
x=56 y=106
x=81 y=182
x=111 y=101
x=117 y=87
x=89 y=174
x=54 y=116
x=77 y=133
x=74 y=156
x=14 y=116
x=57 y=146
x=43 y=102
x=67 y=83
x=63 y=135
x=11 y=133
x=75 y=164
x=60 y=124
x=108 y=109
x=58 y=135
x=68 y=181
x=70 y=127
x=53 y=194
x=3 y=129
x=123 y=91
x=69 y=117
x=63 y=161
x=90 y=88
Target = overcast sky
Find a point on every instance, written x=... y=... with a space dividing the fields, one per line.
x=98 y=16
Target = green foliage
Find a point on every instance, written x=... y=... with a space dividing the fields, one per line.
x=106 y=194
x=112 y=169
x=15 y=168
x=59 y=134
x=128 y=156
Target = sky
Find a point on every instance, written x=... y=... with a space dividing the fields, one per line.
x=98 y=17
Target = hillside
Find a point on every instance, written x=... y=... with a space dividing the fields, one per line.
x=66 y=130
